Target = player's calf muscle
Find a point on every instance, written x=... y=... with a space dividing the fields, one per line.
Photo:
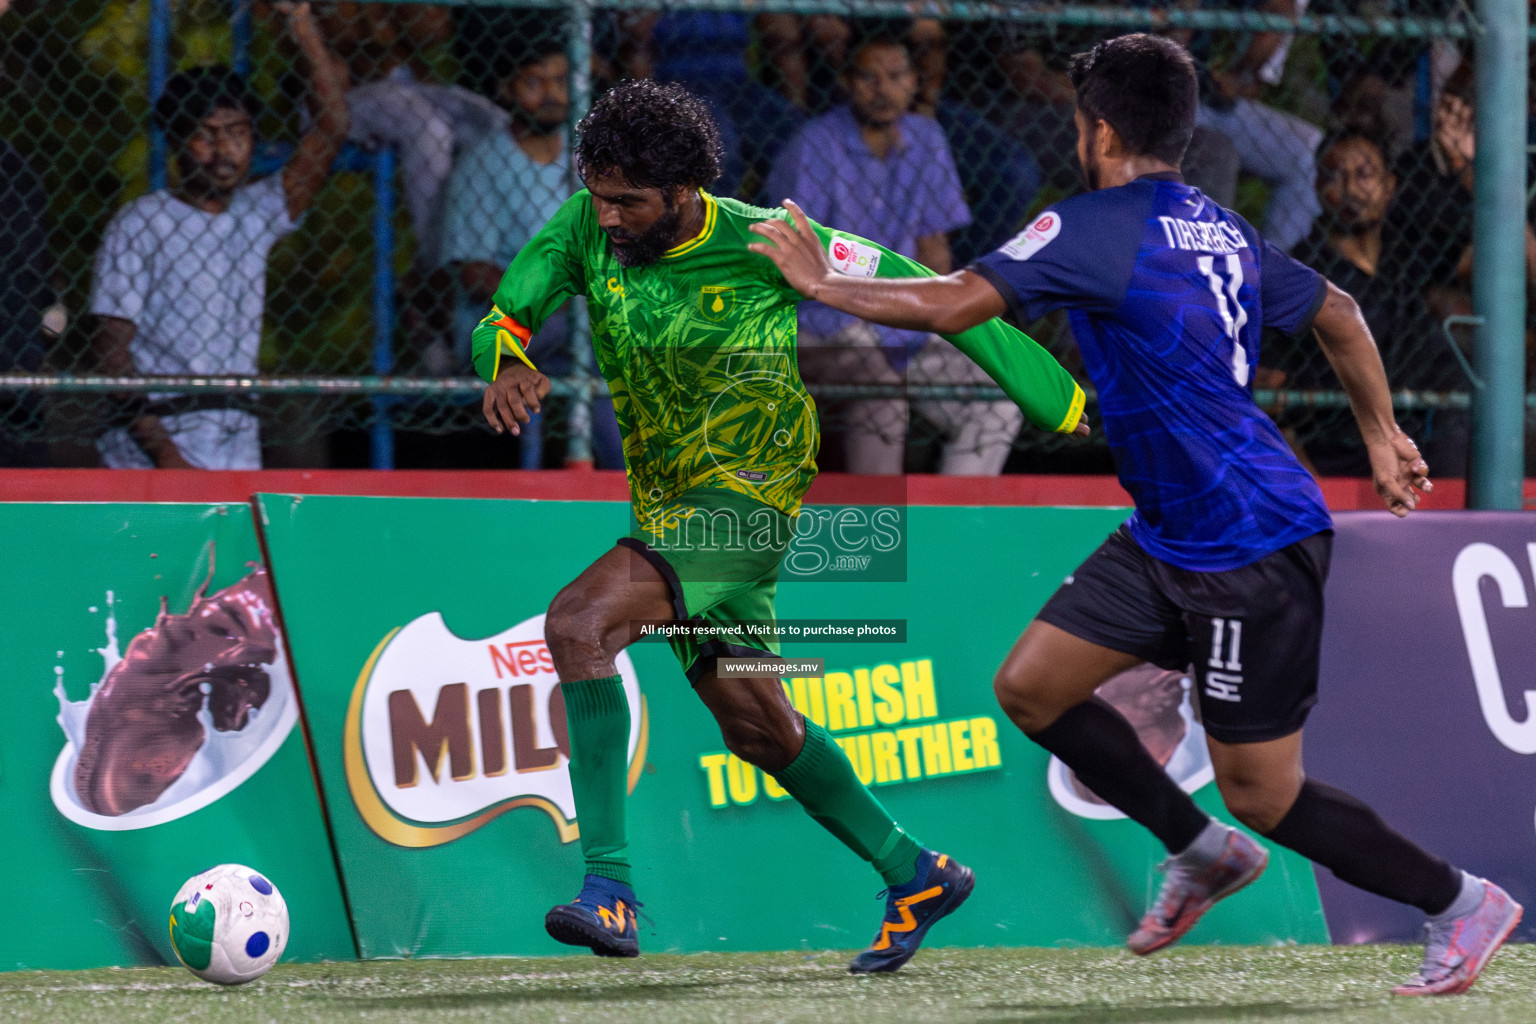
x=757 y=722
x=757 y=742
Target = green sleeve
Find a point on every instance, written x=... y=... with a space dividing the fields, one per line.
x=545 y=273
x=1027 y=373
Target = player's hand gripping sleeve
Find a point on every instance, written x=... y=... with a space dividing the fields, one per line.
x=1027 y=373
x=545 y=273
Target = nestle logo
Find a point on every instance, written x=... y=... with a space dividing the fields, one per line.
x=445 y=733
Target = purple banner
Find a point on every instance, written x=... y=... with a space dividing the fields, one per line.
x=1427 y=708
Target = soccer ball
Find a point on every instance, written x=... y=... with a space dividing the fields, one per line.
x=229 y=925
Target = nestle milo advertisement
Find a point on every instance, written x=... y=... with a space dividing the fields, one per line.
x=415 y=628
x=151 y=732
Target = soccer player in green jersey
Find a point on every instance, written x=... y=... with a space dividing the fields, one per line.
x=696 y=339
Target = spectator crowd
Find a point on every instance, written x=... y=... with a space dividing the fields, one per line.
x=938 y=140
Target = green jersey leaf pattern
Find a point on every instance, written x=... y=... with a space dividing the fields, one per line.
x=698 y=350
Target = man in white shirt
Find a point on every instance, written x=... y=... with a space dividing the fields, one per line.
x=394 y=102
x=179 y=284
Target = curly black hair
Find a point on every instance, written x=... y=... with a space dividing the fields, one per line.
x=654 y=135
x=190 y=96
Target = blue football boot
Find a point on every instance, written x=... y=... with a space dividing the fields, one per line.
x=939 y=887
x=602 y=918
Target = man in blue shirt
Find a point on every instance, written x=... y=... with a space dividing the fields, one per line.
x=872 y=168
x=1224 y=560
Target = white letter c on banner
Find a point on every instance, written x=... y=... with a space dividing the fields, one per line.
x=1475 y=562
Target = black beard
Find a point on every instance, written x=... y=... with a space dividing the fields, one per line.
x=648 y=246
x=882 y=118
x=197 y=181
x=1090 y=167
x=533 y=124
x=1353 y=226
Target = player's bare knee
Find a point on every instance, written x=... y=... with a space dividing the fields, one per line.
x=1262 y=817
x=1253 y=803
x=562 y=620
x=1021 y=701
x=573 y=630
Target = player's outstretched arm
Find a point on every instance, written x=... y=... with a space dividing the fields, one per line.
x=944 y=305
x=904 y=293
x=1396 y=466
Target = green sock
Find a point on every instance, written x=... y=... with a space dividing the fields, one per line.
x=823 y=781
x=597 y=721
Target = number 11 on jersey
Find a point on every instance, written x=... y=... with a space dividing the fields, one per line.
x=1233 y=316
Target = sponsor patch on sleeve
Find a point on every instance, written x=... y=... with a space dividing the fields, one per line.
x=856 y=259
x=1035 y=237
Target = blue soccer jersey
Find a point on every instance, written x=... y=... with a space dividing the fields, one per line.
x=1167 y=294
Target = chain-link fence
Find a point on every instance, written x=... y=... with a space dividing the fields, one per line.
x=296 y=216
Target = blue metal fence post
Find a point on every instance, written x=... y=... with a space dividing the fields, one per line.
x=159 y=70
x=240 y=37
x=382 y=434
x=578 y=449
x=1498 y=256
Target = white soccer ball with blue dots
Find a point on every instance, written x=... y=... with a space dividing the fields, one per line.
x=229 y=925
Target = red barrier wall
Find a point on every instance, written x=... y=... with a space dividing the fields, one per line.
x=600 y=485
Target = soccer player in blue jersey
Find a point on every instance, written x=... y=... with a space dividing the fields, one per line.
x=1224 y=560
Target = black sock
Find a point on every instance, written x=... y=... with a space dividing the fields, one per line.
x=1096 y=742
x=1332 y=828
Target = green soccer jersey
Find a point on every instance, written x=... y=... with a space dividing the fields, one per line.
x=698 y=350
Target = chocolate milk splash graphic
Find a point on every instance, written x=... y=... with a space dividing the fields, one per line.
x=146 y=721
x=1153 y=700
x=1161 y=707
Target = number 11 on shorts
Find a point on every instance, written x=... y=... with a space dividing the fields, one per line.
x=1225 y=673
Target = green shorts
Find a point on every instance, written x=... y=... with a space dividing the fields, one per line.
x=719 y=551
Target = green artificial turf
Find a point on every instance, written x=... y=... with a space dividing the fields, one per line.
x=1336 y=985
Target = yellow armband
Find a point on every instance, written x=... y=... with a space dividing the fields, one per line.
x=1074 y=411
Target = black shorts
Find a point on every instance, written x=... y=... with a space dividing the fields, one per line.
x=1252 y=634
